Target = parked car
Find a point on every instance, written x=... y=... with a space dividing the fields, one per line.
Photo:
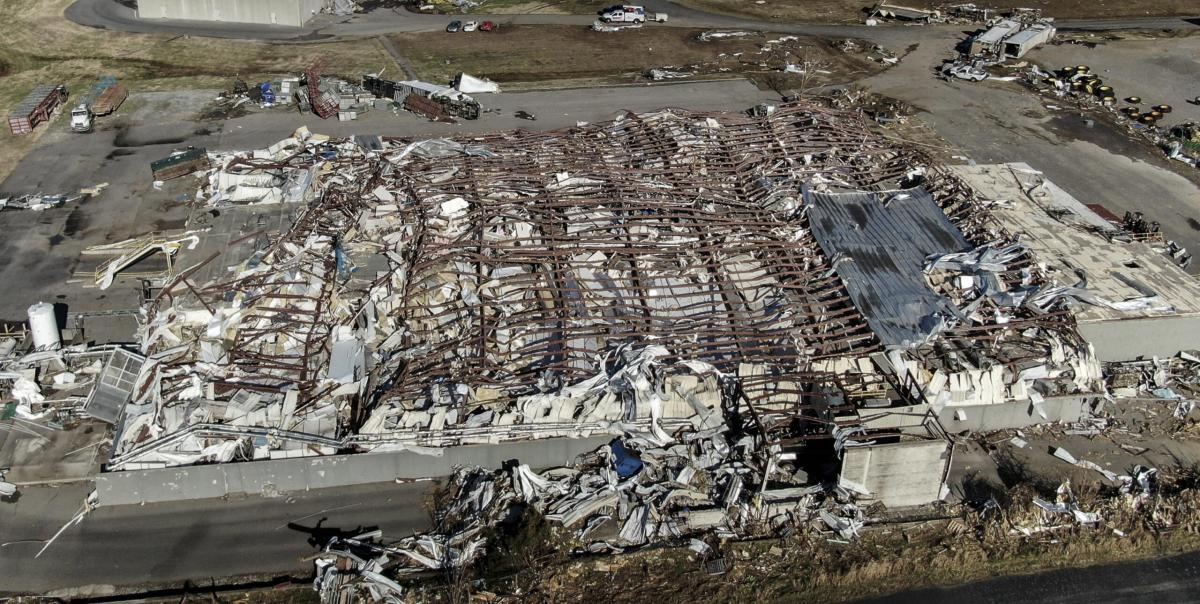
x=454 y=26
x=487 y=26
x=471 y=26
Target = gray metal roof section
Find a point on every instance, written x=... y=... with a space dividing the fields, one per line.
x=878 y=243
x=115 y=386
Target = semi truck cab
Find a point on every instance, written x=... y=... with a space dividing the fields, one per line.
x=81 y=118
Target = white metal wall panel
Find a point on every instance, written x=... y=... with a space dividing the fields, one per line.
x=262 y=12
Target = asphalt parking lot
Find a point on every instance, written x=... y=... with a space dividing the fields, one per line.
x=1159 y=70
x=993 y=122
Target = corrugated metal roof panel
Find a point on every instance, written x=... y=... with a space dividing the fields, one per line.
x=879 y=243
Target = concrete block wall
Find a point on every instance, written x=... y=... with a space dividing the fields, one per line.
x=304 y=473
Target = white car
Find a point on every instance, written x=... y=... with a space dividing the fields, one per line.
x=470 y=26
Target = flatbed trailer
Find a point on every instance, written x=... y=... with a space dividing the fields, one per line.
x=110 y=99
x=37 y=107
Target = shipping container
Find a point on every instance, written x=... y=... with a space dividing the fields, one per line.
x=180 y=164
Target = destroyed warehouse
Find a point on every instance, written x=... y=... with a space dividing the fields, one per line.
x=794 y=277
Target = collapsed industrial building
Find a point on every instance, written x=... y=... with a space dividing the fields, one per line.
x=648 y=277
x=741 y=321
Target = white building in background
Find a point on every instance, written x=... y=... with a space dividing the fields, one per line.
x=293 y=13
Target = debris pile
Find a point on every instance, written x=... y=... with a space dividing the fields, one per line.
x=1001 y=40
x=783 y=55
x=40 y=202
x=613 y=499
x=1176 y=378
x=361 y=568
x=56 y=386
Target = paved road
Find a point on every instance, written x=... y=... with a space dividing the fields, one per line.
x=1174 y=580
x=109 y=14
x=196 y=540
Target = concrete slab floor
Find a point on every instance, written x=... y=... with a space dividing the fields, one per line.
x=34 y=453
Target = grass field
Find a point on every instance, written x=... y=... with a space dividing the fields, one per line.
x=38 y=45
x=846 y=11
x=523 y=56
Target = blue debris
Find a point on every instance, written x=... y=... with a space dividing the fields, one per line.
x=627 y=464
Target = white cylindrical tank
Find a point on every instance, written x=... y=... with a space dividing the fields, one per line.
x=43 y=326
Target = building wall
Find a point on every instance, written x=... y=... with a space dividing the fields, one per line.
x=956 y=419
x=899 y=474
x=1142 y=337
x=264 y=12
x=304 y=473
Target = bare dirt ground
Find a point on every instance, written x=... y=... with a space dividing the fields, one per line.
x=38 y=45
x=534 y=54
x=845 y=11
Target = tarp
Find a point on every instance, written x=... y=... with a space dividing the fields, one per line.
x=625 y=462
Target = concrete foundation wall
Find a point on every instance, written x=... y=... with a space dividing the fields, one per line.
x=898 y=474
x=265 y=12
x=302 y=474
x=1142 y=337
x=981 y=418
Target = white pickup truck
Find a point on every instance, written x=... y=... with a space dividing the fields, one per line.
x=624 y=14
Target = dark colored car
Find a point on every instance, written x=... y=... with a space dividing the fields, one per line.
x=487 y=26
x=525 y=115
x=454 y=26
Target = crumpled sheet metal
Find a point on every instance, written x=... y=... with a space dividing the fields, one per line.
x=698 y=484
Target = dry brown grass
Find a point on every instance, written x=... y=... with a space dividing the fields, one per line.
x=846 y=11
x=520 y=57
x=808 y=568
x=39 y=45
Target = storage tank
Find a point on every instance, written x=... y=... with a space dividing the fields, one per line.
x=43 y=326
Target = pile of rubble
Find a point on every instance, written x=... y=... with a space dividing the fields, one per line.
x=613 y=499
x=1001 y=40
x=1176 y=378
x=786 y=54
x=960 y=14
